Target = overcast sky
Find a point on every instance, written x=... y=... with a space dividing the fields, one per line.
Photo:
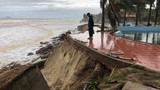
x=34 y=8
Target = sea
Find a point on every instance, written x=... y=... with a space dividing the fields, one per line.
x=18 y=37
x=22 y=34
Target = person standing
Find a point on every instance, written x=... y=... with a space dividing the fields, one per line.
x=90 y=25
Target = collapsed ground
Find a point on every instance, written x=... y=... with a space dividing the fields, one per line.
x=71 y=68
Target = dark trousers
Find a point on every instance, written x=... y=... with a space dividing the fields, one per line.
x=91 y=32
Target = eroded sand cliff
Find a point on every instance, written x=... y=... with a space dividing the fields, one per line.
x=70 y=68
x=22 y=77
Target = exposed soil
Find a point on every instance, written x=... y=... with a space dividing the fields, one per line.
x=71 y=68
x=137 y=74
x=13 y=70
x=7 y=75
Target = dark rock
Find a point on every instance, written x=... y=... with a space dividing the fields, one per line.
x=30 y=53
x=82 y=28
x=68 y=32
x=62 y=37
x=44 y=42
x=40 y=64
x=54 y=38
x=45 y=50
x=45 y=56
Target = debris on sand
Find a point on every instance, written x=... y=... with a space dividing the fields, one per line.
x=45 y=51
x=30 y=53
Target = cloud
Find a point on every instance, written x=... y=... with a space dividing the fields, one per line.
x=47 y=8
x=50 y=3
x=31 y=2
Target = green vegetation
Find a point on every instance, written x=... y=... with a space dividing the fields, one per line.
x=138 y=67
x=146 y=11
x=106 y=85
x=116 y=77
x=135 y=73
x=119 y=75
x=92 y=86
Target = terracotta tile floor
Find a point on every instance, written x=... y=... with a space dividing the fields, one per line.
x=144 y=54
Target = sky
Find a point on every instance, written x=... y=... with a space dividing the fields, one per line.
x=47 y=8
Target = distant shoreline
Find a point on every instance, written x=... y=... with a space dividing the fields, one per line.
x=39 y=19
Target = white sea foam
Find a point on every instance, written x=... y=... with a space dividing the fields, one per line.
x=19 y=37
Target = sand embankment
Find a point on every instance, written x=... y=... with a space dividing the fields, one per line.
x=64 y=68
x=20 y=77
x=72 y=65
x=68 y=68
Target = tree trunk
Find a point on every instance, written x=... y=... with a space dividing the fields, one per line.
x=137 y=14
x=103 y=16
x=115 y=10
x=149 y=17
x=124 y=22
x=156 y=16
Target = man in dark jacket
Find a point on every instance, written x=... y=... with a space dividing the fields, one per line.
x=90 y=25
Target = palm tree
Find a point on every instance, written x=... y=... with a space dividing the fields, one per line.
x=115 y=9
x=150 y=11
x=111 y=12
x=125 y=6
x=157 y=11
x=111 y=16
x=137 y=6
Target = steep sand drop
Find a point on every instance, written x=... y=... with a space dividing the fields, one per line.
x=70 y=67
x=22 y=77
